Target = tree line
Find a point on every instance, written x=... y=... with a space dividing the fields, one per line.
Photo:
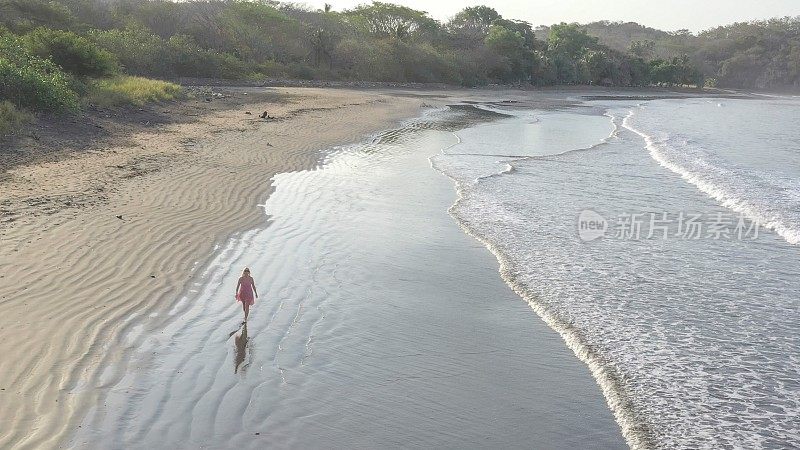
x=51 y=50
x=376 y=42
x=761 y=54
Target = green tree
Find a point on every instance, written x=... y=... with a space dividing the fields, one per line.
x=260 y=32
x=389 y=20
x=162 y=17
x=477 y=18
x=510 y=45
x=639 y=72
x=524 y=29
x=24 y=15
x=243 y=38
x=600 y=67
x=567 y=44
x=569 y=40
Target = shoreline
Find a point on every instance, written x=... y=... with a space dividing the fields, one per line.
x=173 y=194
x=130 y=252
x=635 y=432
x=353 y=328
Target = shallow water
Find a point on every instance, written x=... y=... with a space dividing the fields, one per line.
x=380 y=324
x=693 y=338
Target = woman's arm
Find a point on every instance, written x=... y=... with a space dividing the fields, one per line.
x=237 y=287
x=254 y=287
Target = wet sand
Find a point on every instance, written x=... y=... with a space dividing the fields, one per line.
x=119 y=325
x=381 y=324
x=94 y=243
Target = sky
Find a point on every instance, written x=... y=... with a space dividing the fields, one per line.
x=668 y=15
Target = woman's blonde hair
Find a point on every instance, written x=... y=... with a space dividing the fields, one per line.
x=246 y=271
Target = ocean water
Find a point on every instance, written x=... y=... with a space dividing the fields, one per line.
x=661 y=239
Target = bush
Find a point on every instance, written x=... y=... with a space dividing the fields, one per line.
x=137 y=50
x=29 y=81
x=267 y=69
x=143 y=53
x=11 y=117
x=75 y=54
x=301 y=71
x=394 y=60
x=189 y=60
x=129 y=90
x=24 y=15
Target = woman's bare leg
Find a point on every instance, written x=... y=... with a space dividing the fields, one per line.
x=246 y=311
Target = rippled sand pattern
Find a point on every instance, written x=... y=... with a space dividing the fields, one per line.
x=380 y=325
x=75 y=285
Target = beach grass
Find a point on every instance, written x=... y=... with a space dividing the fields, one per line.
x=11 y=117
x=131 y=90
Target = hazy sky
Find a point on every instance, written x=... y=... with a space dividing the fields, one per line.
x=667 y=15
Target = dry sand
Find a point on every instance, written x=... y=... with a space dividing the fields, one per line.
x=91 y=238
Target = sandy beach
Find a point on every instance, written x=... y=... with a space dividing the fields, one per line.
x=105 y=247
x=381 y=325
x=104 y=234
x=257 y=224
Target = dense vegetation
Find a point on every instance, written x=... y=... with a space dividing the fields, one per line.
x=48 y=69
x=376 y=42
x=52 y=52
x=761 y=54
x=28 y=80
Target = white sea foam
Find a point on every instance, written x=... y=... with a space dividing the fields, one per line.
x=771 y=200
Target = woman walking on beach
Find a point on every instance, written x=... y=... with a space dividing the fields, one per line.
x=245 y=289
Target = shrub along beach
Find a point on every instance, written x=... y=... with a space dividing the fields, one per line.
x=50 y=70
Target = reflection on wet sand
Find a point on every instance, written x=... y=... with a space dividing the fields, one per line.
x=241 y=349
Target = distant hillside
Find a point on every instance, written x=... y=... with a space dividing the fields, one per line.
x=761 y=54
x=617 y=35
